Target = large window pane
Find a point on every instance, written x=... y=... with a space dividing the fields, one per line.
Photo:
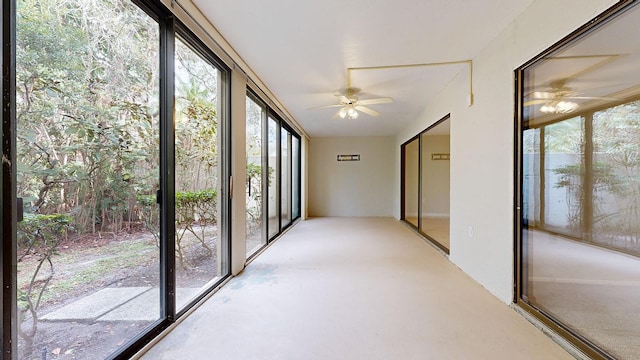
x=256 y=236
x=198 y=240
x=579 y=225
x=411 y=181
x=88 y=155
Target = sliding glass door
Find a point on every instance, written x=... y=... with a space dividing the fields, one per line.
x=88 y=160
x=285 y=178
x=295 y=176
x=115 y=196
x=199 y=246
x=435 y=182
x=425 y=185
x=273 y=170
x=578 y=186
x=256 y=121
x=411 y=168
x=273 y=174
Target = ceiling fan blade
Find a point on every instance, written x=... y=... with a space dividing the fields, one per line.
x=325 y=106
x=535 y=102
x=542 y=95
x=344 y=99
x=366 y=110
x=384 y=100
x=592 y=98
x=337 y=115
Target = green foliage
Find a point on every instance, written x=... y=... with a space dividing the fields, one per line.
x=196 y=206
x=614 y=173
x=196 y=121
x=42 y=233
x=195 y=213
x=87 y=109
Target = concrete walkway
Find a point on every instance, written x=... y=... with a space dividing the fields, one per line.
x=117 y=304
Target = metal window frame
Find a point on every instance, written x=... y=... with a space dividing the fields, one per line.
x=7 y=180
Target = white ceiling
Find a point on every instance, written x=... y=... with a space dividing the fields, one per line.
x=301 y=50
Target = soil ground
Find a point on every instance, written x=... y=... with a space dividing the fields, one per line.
x=86 y=264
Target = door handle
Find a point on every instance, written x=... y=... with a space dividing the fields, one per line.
x=19 y=209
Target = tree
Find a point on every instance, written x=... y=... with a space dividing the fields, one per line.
x=87 y=100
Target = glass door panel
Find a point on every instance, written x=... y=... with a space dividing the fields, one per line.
x=411 y=178
x=88 y=171
x=273 y=224
x=198 y=239
x=295 y=153
x=435 y=183
x=256 y=236
x=285 y=177
x=579 y=225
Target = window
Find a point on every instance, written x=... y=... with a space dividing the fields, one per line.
x=577 y=181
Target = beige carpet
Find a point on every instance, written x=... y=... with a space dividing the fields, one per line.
x=436 y=227
x=354 y=288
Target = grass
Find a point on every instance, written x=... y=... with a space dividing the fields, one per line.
x=85 y=268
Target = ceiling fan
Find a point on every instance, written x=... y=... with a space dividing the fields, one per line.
x=558 y=99
x=350 y=104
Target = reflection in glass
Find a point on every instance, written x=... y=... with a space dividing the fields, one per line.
x=411 y=178
x=435 y=184
x=256 y=236
x=562 y=178
x=88 y=155
x=197 y=239
x=616 y=195
x=273 y=226
x=580 y=225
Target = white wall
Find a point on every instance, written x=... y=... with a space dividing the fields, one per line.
x=351 y=188
x=482 y=140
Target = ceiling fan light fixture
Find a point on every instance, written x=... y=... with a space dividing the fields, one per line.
x=352 y=113
x=343 y=113
x=561 y=107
